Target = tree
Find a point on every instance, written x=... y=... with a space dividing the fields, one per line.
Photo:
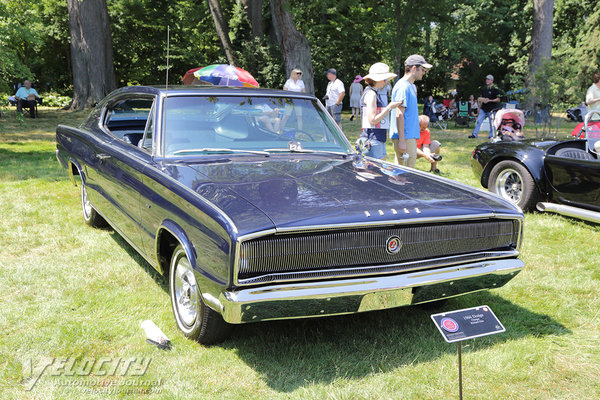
x=222 y=30
x=293 y=44
x=17 y=35
x=541 y=34
x=91 y=52
x=253 y=10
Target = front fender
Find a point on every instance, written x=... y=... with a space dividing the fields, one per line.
x=530 y=157
x=174 y=229
x=210 y=286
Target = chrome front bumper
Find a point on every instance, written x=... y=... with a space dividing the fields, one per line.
x=347 y=296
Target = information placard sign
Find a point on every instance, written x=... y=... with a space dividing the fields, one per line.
x=468 y=323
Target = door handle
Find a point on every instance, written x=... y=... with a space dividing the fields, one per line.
x=102 y=156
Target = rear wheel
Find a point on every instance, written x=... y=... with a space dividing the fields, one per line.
x=90 y=215
x=196 y=320
x=513 y=182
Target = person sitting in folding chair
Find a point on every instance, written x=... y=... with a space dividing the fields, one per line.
x=27 y=97
x=430 y=108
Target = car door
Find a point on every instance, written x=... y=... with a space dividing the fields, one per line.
x=574 y=181
x=121 y=164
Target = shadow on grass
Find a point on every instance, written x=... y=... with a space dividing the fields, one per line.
x=291 y=354
x=154 y=274
x=30 y=164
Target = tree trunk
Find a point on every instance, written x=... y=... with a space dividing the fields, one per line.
x=253 y=10
x=541 y=34
x=294 y=46
x=222 y=30
x=404 y=21
x=91 y=52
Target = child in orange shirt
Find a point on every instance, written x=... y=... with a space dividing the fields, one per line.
x=427 y=148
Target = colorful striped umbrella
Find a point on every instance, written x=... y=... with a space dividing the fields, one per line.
x=189 y=78
x=225 y=75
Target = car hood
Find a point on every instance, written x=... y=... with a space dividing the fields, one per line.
x=302 y=191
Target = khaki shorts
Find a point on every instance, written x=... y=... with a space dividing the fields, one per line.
x=411 y=150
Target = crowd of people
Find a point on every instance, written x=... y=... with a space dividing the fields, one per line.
x=385 y=112
x=388 y=112
x=399 y=119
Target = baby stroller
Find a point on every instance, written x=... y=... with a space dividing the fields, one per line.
x=509 y=124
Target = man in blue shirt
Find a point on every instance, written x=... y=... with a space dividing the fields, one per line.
x=404 y=122
x=27 y=97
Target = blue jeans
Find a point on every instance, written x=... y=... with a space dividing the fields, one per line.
x=377 y=149
x=480 y=118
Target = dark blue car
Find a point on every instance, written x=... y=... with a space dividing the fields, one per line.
x=255 y=216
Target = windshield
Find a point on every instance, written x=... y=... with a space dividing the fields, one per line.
x=234 y=124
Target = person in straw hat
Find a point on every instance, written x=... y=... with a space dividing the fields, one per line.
x=375 y=115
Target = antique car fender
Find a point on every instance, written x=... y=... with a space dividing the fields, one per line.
x=486 y=157
x=209 y=285
x=74 y=166
x=180 y=235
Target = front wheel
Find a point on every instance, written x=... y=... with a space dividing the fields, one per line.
x=196 y=320
x=513 y=182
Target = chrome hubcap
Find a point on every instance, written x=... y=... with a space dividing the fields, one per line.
x=87 y=206
x=186 y=293
x=509 y=185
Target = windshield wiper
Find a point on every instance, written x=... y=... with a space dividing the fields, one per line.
x=219 y=150
x=338 y=153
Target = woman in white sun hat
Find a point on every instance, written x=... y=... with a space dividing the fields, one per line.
x=375 y=115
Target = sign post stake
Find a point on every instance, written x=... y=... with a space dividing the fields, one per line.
x=460 y=370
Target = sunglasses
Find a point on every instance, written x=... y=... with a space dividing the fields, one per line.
x=298 y=73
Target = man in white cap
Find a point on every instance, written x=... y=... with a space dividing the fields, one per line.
x=404 y=123
x=488 y=102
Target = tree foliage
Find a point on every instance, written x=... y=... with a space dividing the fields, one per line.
x=464 y=40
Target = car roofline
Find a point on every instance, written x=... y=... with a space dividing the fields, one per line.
x=190 y=90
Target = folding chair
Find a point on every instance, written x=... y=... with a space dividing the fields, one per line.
x=13 y=101
x=462 y=117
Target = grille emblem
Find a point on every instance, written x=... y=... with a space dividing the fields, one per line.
x=393 y=244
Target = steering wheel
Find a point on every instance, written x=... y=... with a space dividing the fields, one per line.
x=300 y=135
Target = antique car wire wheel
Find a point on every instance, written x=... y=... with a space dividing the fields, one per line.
x=509 y=185
x=184 y=291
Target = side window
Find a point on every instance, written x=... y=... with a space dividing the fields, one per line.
x=146 y=142
x=127 y=118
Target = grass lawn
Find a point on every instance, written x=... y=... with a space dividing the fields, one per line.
x=70 y=291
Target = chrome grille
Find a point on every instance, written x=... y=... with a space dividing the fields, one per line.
x=367 y=247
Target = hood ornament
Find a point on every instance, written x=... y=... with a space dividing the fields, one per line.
x=361 y=145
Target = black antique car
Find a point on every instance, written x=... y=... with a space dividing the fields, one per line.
x=550 y=175
x=255 y=219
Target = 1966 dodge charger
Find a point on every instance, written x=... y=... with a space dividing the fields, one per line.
x=257 y=207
